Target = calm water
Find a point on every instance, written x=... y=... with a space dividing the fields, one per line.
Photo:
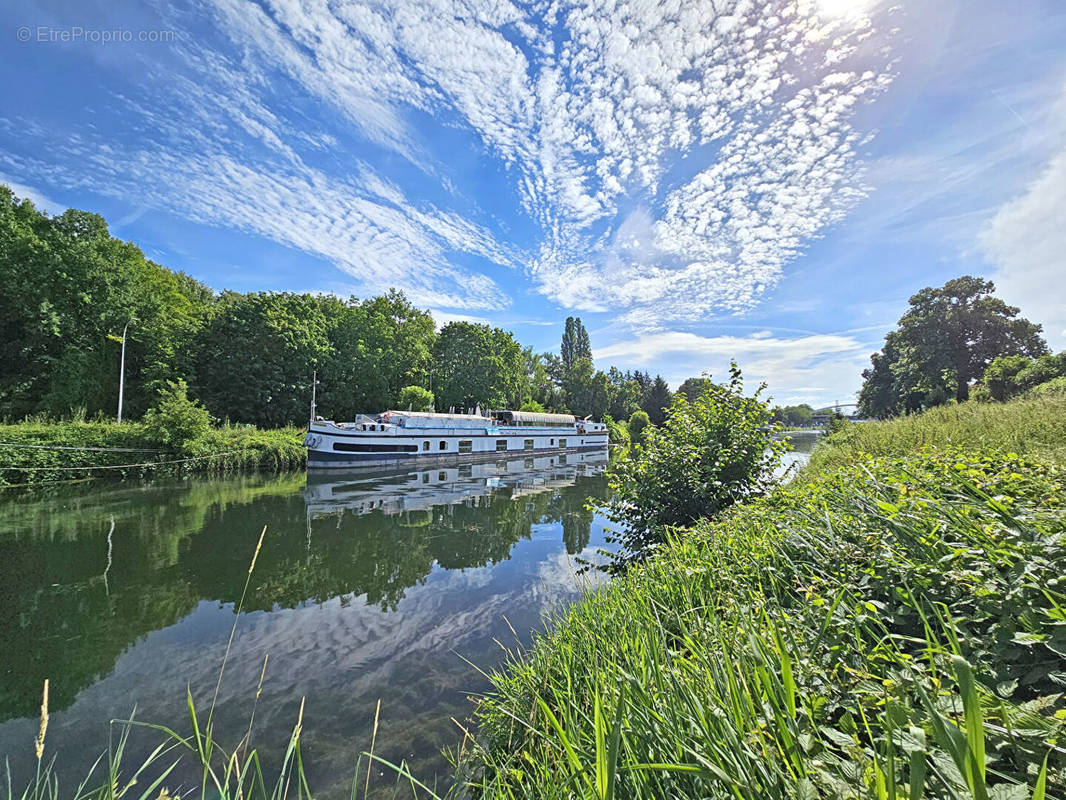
x=366 y=588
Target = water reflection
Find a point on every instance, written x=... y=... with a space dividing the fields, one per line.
x=367 y=587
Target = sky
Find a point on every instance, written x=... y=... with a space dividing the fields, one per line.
x=699 y=181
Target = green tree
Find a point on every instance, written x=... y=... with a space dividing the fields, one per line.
x=694 y=387
x=415 y=398
x=575 y=345
x=256 y=356
x=656 y=400
x=377 y=347
x=793 y=416
x=477 y=365
x=175 y=420
x=638 y=426
x=707 y=455
x=586 y=390
x=617 y=431
x=945 y=341
x=624 y=394
x=533 y=406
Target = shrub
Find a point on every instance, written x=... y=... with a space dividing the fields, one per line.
x=1056 y=387
x=617 y=432
x=706 y=456
x=176 y=420
x=639 y=422
x=415 y=398
x=532 y=405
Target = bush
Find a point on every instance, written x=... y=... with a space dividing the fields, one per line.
x=533 y=406
x=706 y=456
x=1053 y=388
x=175 y=420
x=415 y=398
x=639 y=422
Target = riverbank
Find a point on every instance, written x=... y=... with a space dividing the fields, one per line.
x=890 y=623
x=34 y=453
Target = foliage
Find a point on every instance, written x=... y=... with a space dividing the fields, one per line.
x=706 y=456
x=176 y=420
x=638 y=426
x=1028 y=426
x=945 y=341
x=793 y=416
x=1010 y=376
x=532 y=405
x=657 y=400
x=617 y=432
x=836 y=422
x=692 y=388
x=575 y=345
x=256 y=356
x=477 y=365
x=67 y=290
x=1056 y=387
x=891 y=629
x=377 y=347
x=586 y=389
x=415 y=398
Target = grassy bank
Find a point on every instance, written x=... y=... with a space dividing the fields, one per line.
x=1034 y=426
x=889 y=626
x=47 y=452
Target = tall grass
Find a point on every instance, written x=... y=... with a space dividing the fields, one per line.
x=890 y=630
x=1030 y=425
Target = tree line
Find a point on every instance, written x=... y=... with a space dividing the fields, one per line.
x=68 y=289
x=954 y=342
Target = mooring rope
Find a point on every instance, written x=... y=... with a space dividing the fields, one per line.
x=94 y=449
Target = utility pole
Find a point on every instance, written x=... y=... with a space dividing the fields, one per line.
x=122 y=368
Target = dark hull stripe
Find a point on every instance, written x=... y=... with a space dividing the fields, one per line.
x=325 y=460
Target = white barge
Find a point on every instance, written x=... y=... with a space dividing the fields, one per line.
x=415 y=437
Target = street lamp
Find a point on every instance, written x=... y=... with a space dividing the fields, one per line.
x=122 y=368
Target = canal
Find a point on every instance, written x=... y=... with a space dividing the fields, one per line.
x=368 y=588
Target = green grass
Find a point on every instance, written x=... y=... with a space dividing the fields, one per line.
x=889 y=626
x=1033 y=425
x=33 y=452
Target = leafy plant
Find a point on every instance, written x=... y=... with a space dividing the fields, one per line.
x=175 y=420
x=706 y=456
x=415 y=398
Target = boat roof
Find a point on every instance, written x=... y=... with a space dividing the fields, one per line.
x=536 y=416
x=434 y=415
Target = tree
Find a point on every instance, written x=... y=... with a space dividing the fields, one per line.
x=794 y=416
x=623 y=394
x=477 y=365
x=176 y=420
x=1009 y=376
x=656 y=400
x=415 y=398
x=256 y=356
x=946 y=340
x=575 y=343
x=694 y=387
x=532 y=406
x=586 y=390
x=707 y=455
x=638 y=424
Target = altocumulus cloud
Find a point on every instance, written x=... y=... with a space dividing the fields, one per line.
x=672 y=156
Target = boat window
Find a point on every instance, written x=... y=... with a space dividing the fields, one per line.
x=359 y=447
x=466 y=446
x=553 y=443
x=501 y=445
x=465 y=471
x=528 y=444
x=425 y=477
x=425 y=445
x=442 y=476
x=562 y=443
x=443 y=445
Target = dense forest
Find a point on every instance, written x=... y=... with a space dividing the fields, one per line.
x=68 y=289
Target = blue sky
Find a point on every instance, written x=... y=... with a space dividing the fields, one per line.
x=698 y=181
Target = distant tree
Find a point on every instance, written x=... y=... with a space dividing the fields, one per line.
x=694 y=387
x=586 y=390
x=638 y=425
x=1010 y=376
x=623 y=394
x=477 y=365
x=946 y=340
x=255 y=357
x=656 y=400
x=532 y=406
x=415 y=398
x=793 y=416
x=576 y=344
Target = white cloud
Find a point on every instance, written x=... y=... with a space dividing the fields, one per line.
x=816 y=369
x=442 y=318
x=39 y=199
x=1027 y=240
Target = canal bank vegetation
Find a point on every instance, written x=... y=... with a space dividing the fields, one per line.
x=890 y=625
